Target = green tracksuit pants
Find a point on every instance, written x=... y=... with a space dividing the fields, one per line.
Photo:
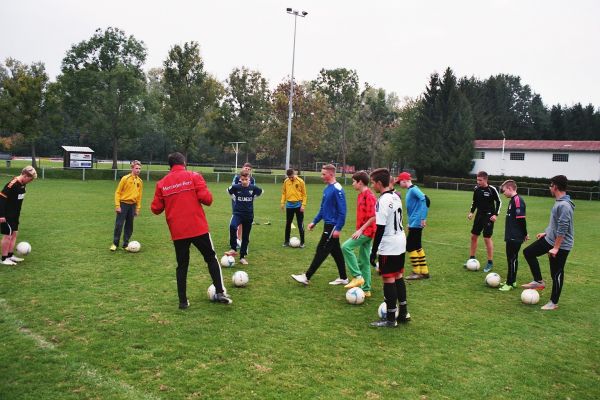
x=359 y=266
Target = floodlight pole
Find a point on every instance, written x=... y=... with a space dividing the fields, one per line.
x=236 y=149
x=296 y=14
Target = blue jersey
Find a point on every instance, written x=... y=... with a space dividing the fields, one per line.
x=333 y=206
x=416 y=207
x=243 y=199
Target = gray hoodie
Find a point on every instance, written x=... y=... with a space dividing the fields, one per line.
x=561 y=223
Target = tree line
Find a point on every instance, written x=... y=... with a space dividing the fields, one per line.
x=103 y=99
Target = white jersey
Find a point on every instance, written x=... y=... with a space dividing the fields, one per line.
x=388 y=212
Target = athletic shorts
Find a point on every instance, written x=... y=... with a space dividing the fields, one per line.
x=391 y=264
x=482 y=223
x=8 y=227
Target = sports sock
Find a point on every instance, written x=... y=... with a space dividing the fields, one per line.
x=4 y=258
x=423 y=261
x=414 y=261
x=9 y=255
x=401 y=290
x=391 y=298
x=490 y=262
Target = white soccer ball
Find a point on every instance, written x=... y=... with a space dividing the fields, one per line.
x=134 y=246
x=355 y=296
x=530 y=296
x=492 y=279
x=294 y=242
x=227 y=261
x=23 y=248
x=382 y=311
x=211 y=292
x=473 y=264
x=240 y=279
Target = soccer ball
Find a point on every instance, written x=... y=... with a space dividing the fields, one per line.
x=134 y=246
x=227 y=261
x=492 y=279
x=382 y=311
x=530 y=296
x=294 y=242
x=23 y=248
x=355 y=296
x=240 y=278
x=473 y=264
x=211 y=292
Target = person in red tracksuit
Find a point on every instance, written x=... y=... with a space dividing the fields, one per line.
x=181 y=195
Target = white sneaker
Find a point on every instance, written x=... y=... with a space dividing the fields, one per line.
x=17 y=259
x=243 y=261
x=301 y=278
x=8 y=261
x=339 y=281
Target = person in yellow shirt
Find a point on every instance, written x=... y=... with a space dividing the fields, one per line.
x=128 y=202
x=293 y=199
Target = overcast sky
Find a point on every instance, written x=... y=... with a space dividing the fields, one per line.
x=553 y=45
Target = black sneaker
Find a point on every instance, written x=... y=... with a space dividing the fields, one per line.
x=384 y=323
x=223 y=298
x=404 y=319
x=183 y=306
x=286 y=244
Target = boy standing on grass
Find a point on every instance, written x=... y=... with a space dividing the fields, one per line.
x=333 y=212
x=11 y=200
x=242 y=195
x=362 y=238
x=236 y=180
x=293 y=199
x=487 y=203
x=416 y=209
x=515 y=232
x=557 y=241
x=389 y=247
x=128 y=203
x=181 y=195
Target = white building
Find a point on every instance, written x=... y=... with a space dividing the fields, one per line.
x=577 y=160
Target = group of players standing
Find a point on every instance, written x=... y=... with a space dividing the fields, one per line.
x=556 y=240
x=379 y=235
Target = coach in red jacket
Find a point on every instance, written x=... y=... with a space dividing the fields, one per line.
x=181 y=194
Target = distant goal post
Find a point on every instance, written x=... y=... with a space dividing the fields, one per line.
x=319 y=165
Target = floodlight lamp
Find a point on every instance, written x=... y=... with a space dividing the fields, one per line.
x=304 y=13
x=288 y=9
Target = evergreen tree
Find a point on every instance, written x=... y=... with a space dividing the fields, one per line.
x=444 y=129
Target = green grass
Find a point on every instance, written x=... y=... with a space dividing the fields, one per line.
x=79 y=322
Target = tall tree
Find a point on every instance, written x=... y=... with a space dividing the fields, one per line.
x=192 y=95
x=103 y=83
x=23 y=105
x=340 y=87
x=378 y=116
x=557 y=122
x=246 y=107
x=310 y=121
x=540 y=118
x=443 y=129
x=403 y=141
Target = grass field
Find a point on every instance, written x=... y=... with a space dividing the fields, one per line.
x=80 y=322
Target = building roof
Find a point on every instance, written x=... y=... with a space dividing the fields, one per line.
x=78 y=149
x=540 y=145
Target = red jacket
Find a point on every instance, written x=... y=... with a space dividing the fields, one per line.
x=181 y=193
